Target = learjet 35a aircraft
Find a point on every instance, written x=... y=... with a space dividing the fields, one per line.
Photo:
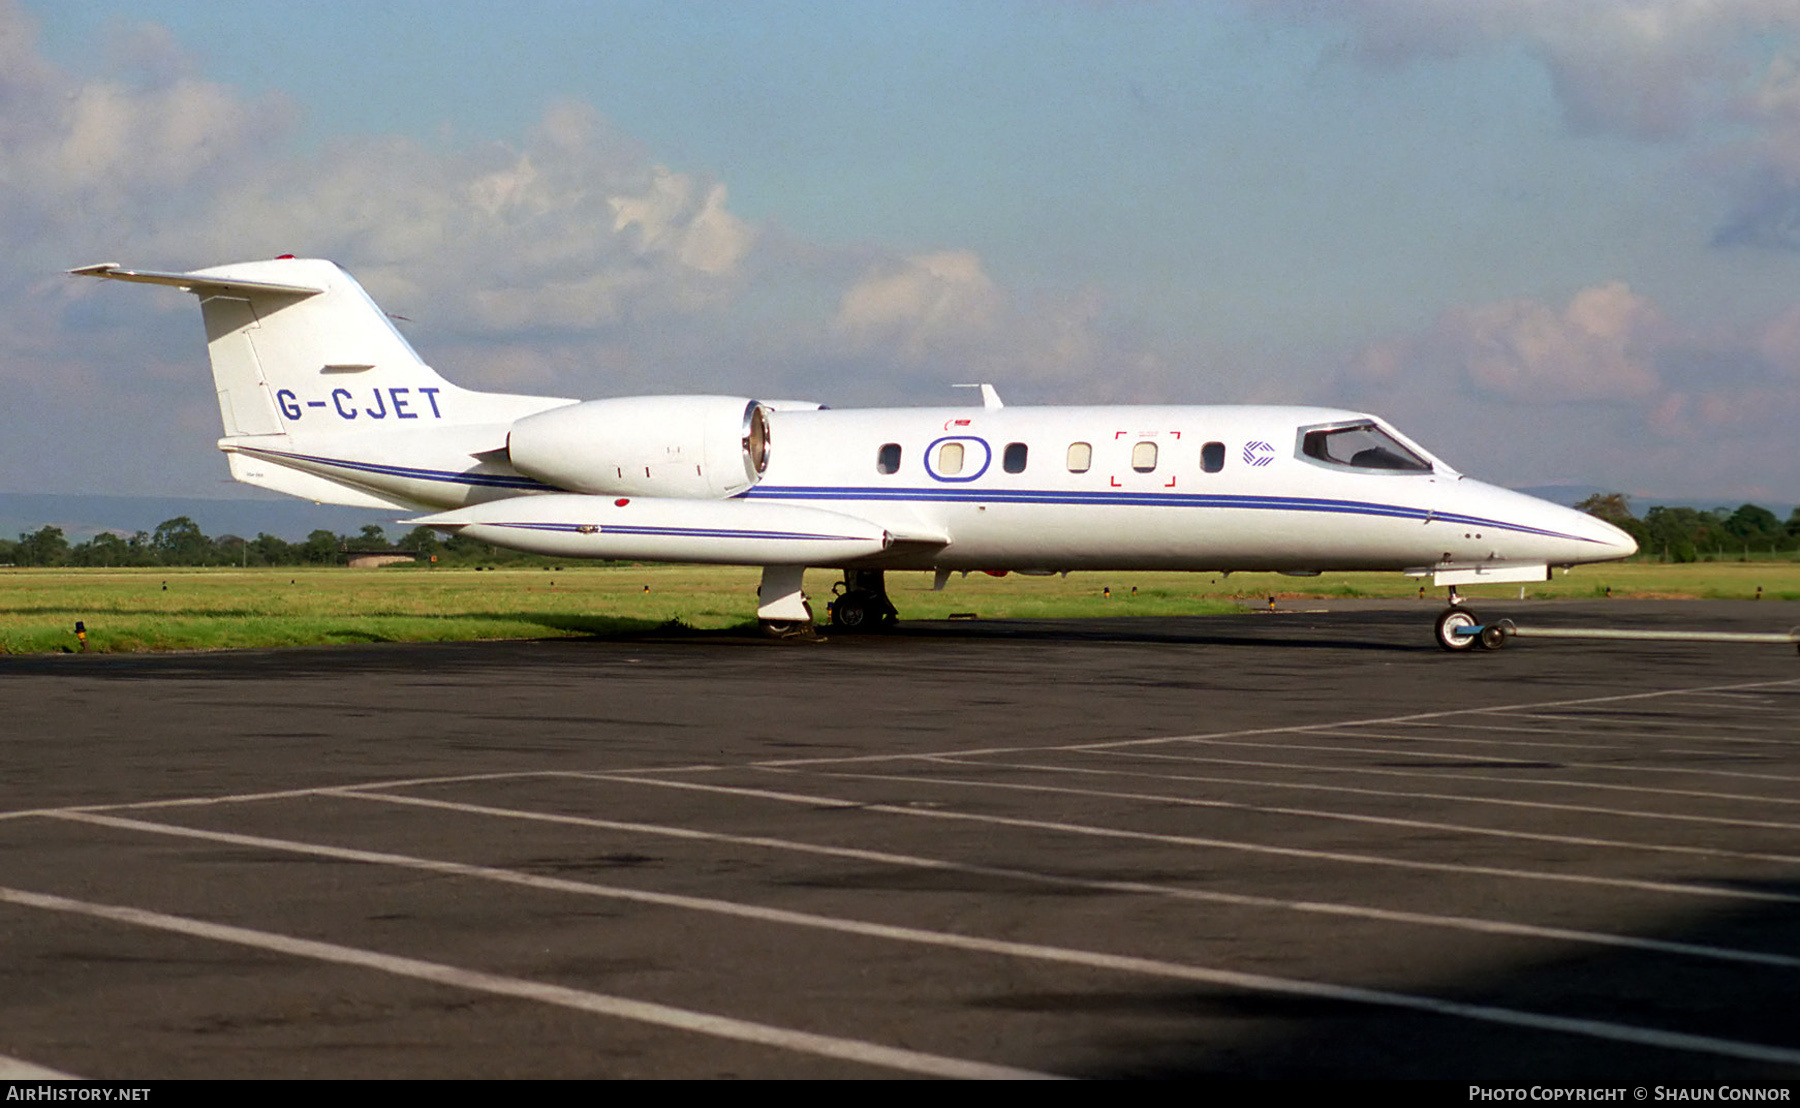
x=323 y=399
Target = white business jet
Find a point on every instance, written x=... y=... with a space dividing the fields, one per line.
x=323 y=399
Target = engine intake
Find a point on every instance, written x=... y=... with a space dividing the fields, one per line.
x=693 y=447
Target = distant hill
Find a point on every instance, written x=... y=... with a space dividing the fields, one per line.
x=83 y=517
x=1572 y=495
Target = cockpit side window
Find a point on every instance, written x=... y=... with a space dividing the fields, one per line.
x=1361 y=446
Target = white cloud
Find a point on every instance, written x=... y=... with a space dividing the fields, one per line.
x=921 y=303
x=1595 y=349
x=702 y=236
x=1524 y=350
x=1763 y=169
x=1649 y=68
x=569 y=262
x=1606 y=383
x=1697 y=70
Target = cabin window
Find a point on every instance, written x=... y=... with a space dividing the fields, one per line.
x=950 y=459
x=1361 y=446
x=1143 y=457
x=1212 y=457
x=887 y=459
x=1081 y=457
x=1013 y=461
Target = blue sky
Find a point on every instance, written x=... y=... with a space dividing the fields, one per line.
x=1555 y=241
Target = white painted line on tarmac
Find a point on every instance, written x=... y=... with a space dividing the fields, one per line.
x=1440 y=776
x=1404 y=720
x=1709 y=891
x=1635 y=722
x=1390 y=752
x=17 y=1069
x=1501 y=727
x=855 y=1050
x=1398 y=794
x=662 y=1015
x=1745 y=702
x=783 y=763
x=257 y=797
x=1362 y=732
x=1401 y=720
x=1175 y=892
x=1421 y=741
x=1306 y=813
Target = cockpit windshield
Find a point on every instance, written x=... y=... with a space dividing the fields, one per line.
x=1361 y=446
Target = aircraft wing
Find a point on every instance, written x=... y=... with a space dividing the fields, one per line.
x=733 y=532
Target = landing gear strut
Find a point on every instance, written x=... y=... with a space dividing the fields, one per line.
x=861 y=603
x=782 y=608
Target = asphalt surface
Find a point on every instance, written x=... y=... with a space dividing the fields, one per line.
x=1303 y=844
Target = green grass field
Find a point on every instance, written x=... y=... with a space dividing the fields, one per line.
x=210 y=609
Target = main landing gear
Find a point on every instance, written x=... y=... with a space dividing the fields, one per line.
x=781 y=607
x=861 y=602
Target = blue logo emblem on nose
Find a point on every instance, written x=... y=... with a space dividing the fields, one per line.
x=1258 y=453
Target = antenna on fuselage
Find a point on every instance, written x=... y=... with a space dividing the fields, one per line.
x=990 y=399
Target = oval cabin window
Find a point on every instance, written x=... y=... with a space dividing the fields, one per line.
x=1081 y=457
x=1143 y=457
x=1014 y=458
x=888 y=459
x=950 y=459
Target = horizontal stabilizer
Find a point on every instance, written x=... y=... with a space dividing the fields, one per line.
x=191 y=282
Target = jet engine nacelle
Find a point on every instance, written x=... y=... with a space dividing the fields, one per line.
x=673 y=446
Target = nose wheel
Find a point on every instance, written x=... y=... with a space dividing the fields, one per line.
x=1448 y=624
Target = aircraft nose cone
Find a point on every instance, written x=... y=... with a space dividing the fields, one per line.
x=1618 y=542
x=1603 y=541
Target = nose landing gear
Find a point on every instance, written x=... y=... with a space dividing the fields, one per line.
x=1445 y=631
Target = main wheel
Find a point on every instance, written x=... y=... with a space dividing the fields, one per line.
x=852 y=612
x=788 y=628
x=1445 y=630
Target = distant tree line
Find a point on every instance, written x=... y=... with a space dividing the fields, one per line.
x=1692 y=535
x=1662 y=534
x=180 y=542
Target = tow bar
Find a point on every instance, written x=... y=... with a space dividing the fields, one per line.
x=1495 y=635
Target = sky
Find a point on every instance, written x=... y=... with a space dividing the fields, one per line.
x=1555 y=241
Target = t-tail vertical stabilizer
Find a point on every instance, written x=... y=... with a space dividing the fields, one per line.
x=321 y=397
